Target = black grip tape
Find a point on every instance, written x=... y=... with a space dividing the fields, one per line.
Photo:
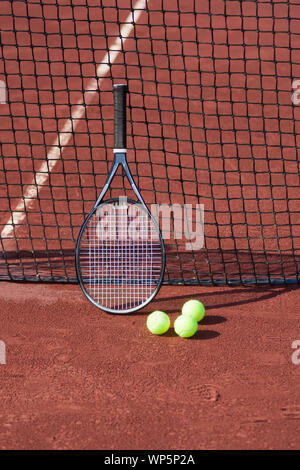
x=120 y=92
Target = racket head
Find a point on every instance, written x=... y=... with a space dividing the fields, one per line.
x=120 y=256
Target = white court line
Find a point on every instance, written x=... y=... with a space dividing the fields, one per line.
x=63 y=138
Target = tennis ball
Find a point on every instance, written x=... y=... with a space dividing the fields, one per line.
x=185 y=326
x=158 y=322
x=194 y=308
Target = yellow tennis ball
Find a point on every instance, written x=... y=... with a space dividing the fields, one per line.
x=194 y=308
x=158 y=322
x=185 y=326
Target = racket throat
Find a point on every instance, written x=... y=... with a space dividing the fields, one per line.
x=119 y=159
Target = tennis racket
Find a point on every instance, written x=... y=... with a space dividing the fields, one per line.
x=120 y=254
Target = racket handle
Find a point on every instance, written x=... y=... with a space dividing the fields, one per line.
x=120 y=92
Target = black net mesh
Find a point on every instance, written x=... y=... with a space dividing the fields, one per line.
x=213 y=120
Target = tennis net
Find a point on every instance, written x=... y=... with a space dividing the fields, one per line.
x=213 y=120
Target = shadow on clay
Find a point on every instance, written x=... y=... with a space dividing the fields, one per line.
x=213 y=320
x=199 y=335
x=220 y=298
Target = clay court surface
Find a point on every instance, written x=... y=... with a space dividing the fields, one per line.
x=78 y=378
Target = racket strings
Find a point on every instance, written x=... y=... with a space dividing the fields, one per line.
x=120 y=257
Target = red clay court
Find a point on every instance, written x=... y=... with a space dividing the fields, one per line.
x=214 y=120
